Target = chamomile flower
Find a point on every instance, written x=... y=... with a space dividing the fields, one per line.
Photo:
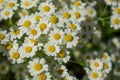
x=94 y=75
x=78 y=15
x=105 y=56
x=115 y=43
x=6 y=13
x=2 y=3
x=44 y=26
x=51 y=49
x=115 y=57
x=63 y=56
x=23 y=13
x=117 y=70
x=26 y=4
x=73 y=26
x=43 y=76
x=91 y=11
x=25 y=23
x=37 y=66
x=107 y=66
x=15 y=33
x=4 y=67
x=70 y=38
x=47 y=8
x=3 y=37
x=34 y=32
x=111 y=2
x=37 y=16
x=96 y=64
x=27 y=50
x=56 y=36
x=116 y=10
x=12 y=4
x=60 y=71
x=115 y=22
x=15 y=56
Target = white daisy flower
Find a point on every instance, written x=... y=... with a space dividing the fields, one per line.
x=94 y=75
x=27 y=50
x=51 y=49
x=26 y=4
x=96 y=64
x=116 y=10
x=6 y=13
x=2 y=4
x=78 y=15
x=56 y=36
x=15 y=33
x=70 y=38
x=25 y=23
x=91 y=11
x=34 y=32
x=37 y=66
x=73 y=26
x=37 y=16
x=111 y=2
x=4 y=67
x=15 y=56
x=47 y=8
x=56 y=20
x=63 y=56
x=115 y=57
x=105 y=56
x=12 y=4
x=23 y=13
x=4 y=37
x=115 y=22
x=107 y=66
x=60 y=71
x=44 y=26
x=43 y=76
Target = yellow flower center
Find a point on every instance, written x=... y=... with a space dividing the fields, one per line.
x=116 y=21
x=117 y=10
x=66 y=15
x=60 y=71
x=90 y=11
x=7 y=13
x=46 y=8
x=76 y=3
x=42 y=26
x=37 y=18
x=34 y=41
x=23 y=13
x=1 y=1
x=116 y=58
x=64 y=78
x=51 y=48
x=33 y=31
x=42 y=76
x=54 y=19
x=77 y=15
x=72 y=26
x=61 y=54
x=111 y=1
x=27 y=3
x=37 y=66
x=118 y=69
x=105 y=66
x=56 y=36
x=9 y=45
x=104 y=56
x=28 y=49
x=27 y=23
x=15 y=32
x=11 y=4
x=68 y=38
x=2 y=36
x=94 y=75
x=15 y=55
x=96 y=64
